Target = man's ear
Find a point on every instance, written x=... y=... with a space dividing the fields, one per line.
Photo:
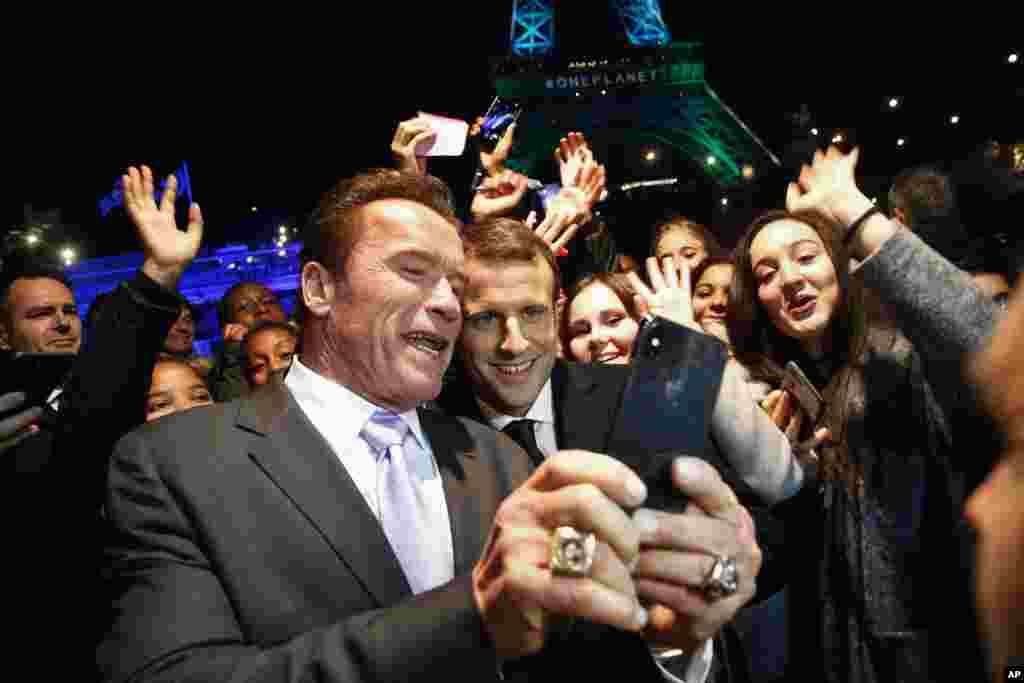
x=900 y=216
x=318 y=289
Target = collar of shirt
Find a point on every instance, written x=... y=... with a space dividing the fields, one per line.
x=542 y=410
x=334 y=409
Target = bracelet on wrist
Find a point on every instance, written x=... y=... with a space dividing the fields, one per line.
x=855 y=226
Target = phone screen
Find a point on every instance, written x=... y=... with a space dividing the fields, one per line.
x=500 y=115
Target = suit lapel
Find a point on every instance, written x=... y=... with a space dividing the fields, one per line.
x=287 y=447
x=458 y=463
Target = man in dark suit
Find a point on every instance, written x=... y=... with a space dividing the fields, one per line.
x=257 y=540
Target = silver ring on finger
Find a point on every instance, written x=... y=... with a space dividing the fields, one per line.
x=722 y=580
x=572 y=552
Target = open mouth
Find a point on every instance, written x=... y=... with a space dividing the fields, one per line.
x=802 y=304
x=64 y=343
x=608 y=357
x=514 y=370
x=427 y=342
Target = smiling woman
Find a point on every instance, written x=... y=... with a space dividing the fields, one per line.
x=881 y=506
x=600 y=321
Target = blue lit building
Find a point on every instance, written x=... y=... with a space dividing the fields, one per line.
x=204 y=283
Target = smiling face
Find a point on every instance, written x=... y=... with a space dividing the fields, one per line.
x=390 y=320
x=41 y=317
x=711 y=300
x=796 y=280
x=600 y=328
x=509 y=341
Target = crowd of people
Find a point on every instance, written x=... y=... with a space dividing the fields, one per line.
x=421 y=473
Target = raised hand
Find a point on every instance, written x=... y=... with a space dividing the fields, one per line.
x=168 y=251
x=493 y=162
x=499 y=195
x=578 y=169
x=828 y=186
x=571 y=155
x=670 y=295
x=408 y=136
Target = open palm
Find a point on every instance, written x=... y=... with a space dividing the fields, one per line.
x=167 y=247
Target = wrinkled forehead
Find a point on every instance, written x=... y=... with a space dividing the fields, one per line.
x=38 y=291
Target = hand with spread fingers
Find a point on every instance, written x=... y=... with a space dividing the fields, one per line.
x=578 y=169
x=670 y=295
x=408 y=137
x=21 y=425
x=568 y=211
x=167 y=250
x=499 y=195
x=571 y=155
x=695 y=569
x=561 y=544
x=828 y=186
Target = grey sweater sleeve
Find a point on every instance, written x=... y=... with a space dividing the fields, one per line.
x=759 y=452
x=937 y=307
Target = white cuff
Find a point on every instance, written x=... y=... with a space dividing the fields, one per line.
x=696 y=671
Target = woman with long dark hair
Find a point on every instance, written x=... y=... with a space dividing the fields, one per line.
x=876 y=590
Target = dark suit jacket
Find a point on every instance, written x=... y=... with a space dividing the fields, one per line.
x=241 y=549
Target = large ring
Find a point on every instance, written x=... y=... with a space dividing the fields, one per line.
x=572 y=552
x=722 y=580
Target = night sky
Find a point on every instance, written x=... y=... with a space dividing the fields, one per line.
x=270 y=115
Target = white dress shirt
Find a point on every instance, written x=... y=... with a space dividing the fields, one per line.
x=543 y=413
x=339 y=415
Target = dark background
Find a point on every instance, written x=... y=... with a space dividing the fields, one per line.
x=270 y=112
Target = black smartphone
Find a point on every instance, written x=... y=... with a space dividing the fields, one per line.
x=803 y=390
x=500 y=115
x=665 y=409
x=34 y=374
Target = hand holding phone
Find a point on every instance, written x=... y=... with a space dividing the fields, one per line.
x=35 y=375
x=665 y=411
x=449 y=136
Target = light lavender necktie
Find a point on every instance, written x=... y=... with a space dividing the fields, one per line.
x=399 y=509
